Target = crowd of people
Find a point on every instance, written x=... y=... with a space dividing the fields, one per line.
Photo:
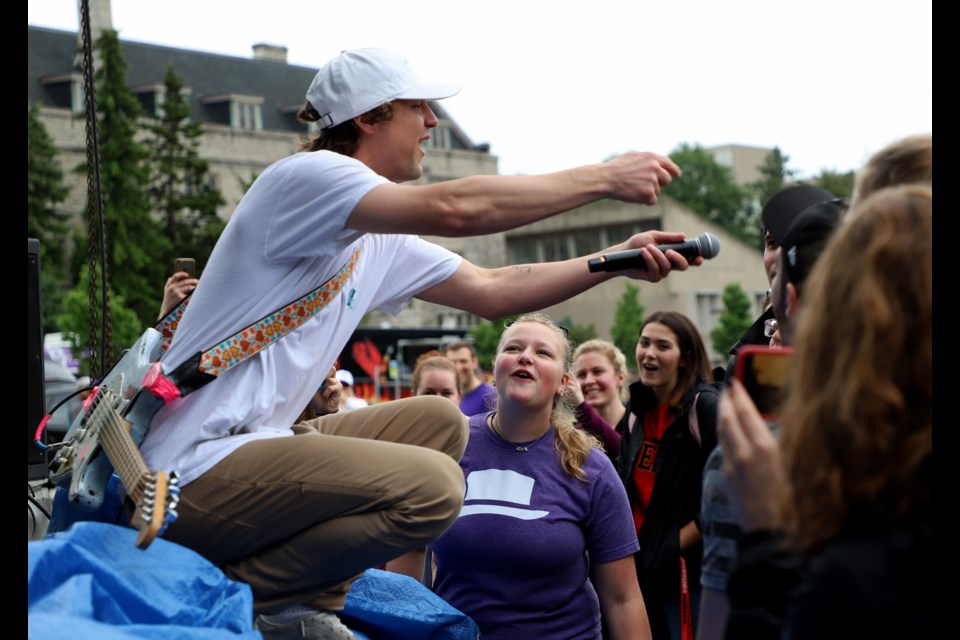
x=569 y=499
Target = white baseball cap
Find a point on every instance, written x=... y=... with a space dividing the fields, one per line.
x=345 y=377
x=359 y=80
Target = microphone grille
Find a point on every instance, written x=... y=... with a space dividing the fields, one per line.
x=709 y=245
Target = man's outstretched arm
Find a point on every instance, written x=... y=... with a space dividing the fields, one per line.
x=480 y=205
x=495 y=293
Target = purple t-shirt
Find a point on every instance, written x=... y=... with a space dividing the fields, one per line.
x=480 y=400
x=516 y=559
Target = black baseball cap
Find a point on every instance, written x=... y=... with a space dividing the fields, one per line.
x=786 y=204
x=807 y=236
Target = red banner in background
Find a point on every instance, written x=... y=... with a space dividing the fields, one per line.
x=368 y=358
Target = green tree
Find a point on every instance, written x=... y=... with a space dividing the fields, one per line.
x=180 y=187
x=485 y=336
x=734 y=319
x=774 y=175
x=74 y=321
x=45 y=190
x=626 y=323
x=839 y=184
x=708 y=189
x=135 y=245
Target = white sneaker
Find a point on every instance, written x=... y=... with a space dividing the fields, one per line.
x=323 y=625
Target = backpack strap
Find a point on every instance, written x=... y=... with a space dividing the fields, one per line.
x=693 y=422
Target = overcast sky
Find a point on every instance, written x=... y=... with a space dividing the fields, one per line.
x=552 y=84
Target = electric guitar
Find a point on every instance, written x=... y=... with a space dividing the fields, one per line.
x=106 y=436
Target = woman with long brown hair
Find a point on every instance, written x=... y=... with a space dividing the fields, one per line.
x=670 y=430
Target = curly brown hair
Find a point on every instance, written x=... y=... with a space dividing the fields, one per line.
x=857 y=435
x=344 y=137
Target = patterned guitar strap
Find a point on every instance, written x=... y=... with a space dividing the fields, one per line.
x=205 y=366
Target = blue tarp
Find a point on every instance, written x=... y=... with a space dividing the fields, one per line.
x=91 y=582
x=390 y=606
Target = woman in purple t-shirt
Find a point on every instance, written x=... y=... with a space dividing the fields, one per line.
x=545 y=540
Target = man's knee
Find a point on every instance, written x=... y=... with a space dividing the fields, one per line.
x=447 y=486
x=440 y=415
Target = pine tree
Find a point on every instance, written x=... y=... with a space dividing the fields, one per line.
x=733 y=321
x=839 y=184
x=134 y=244
x=626 y=323
x=45 y=190
x=774 y=175
x=180 y=185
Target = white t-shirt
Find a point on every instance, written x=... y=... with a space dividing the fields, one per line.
x=285 y=239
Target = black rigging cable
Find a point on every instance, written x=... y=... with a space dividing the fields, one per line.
x=96 y=232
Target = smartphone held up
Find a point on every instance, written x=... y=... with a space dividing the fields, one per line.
x=763 y=373
x=189 y=265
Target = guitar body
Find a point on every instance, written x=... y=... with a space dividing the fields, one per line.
x=104 y=439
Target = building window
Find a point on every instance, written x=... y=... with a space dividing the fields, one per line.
x=151 y=98
x=439 y=137
x=237 y=111
x=78 y=96
x=709 y=306
x=66 y=91
x=571 y=243
x=523 y=250
x=588 y=241
x=244 y=115
x=557 y=247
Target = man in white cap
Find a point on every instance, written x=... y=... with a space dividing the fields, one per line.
x=299 y=513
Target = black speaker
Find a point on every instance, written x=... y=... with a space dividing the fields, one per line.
x=36 y=460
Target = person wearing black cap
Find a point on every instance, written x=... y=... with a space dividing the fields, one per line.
x=802 y=245
x=777 y=214
x=802 y=205
x=298 y=513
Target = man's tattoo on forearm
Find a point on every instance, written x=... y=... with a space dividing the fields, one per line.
x=525 y=268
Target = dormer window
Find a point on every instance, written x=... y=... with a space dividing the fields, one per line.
x=152 y=97
x=236 y=110
x=66 y=90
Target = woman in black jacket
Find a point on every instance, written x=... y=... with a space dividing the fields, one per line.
x=668 y=431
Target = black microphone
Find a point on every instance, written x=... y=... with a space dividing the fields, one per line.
x=705 y=244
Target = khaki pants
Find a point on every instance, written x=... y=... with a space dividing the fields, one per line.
x=300 y=518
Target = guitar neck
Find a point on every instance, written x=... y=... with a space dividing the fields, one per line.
x=120 y=448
